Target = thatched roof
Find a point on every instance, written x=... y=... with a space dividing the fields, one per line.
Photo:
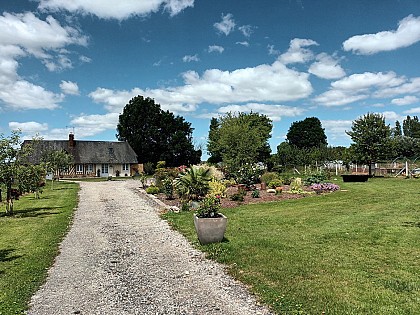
x=86 y=152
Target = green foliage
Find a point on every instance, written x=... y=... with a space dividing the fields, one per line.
x=168 y=188
x=316 y=178
x=411 y=127
x=287 y=179
x=371 y=137
x=255 y=193
x=240 y=139
x=307 y=133
x=248 y=174
x=275 y=183
x=217 y=188
x=153 y=190
x=160 y=164
x=56 y=161
x=148 y=168
x=239 y=196
x=161 y=174
x=209 y=207
x=156 y=135
x=296 y=186
x=268 y=177
x=193 y=183
x=405 y=147
x=31 y=178
x=213 y=147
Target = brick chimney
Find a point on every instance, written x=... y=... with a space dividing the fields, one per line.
x=71 y=140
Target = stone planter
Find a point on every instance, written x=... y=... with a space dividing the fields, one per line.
x=210 y=230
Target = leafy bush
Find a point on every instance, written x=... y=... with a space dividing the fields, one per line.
x=148 y=168
x=160 y=164
x=296 y=186
x=287 y=179
x=162 y=174
x=153 y=190
x=168 y=188
x=269 y=177
x=209 y=207
x=275 y=183
x=316 y=178
x=239 y=196
x=217 y=188
x=248 y=174
x=228 y=182
x=193 y=184
x=324 y=187
x=255 y=193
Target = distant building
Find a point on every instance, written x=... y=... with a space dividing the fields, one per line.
x=91 y=158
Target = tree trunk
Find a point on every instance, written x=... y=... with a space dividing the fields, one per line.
x=370 y=168
x=9 y=200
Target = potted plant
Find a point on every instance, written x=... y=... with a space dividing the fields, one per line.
x=209 y=223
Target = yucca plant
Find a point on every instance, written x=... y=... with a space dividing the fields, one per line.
x=193 y=183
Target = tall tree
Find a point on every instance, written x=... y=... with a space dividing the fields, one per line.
x=156 y=135
x=397 y=130
x=212 y=144
x=55 y=162
x=12 y=160
x=411 y=127
x=307 y=133
x=371 y=137
x=241 y=138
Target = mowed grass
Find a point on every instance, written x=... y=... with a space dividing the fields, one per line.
x=29 y=242
x=356 y=251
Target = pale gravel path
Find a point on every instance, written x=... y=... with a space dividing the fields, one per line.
x=120 y=258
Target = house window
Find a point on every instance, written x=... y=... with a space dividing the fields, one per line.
x=79 y=168
x=104 y=168
x=89 y=168
x=125 y=167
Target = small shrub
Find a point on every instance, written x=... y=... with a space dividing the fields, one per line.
x=217 y=188
x=268 y=177
x=324 y=187
x=255 y=193
x=209 y=207
x=228 y=182
x=185 y=206
x=275 y=183
x=316 y=178
x=148 y=168
x=153 y=190
x=248 y=174
x=287 y=180
x=168 y=188
x=160 y=164
x=239 y=196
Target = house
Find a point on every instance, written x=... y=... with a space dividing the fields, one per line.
x=90 y=158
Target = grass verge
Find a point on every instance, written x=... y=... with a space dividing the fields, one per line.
x=356 y=251
x=29 y=242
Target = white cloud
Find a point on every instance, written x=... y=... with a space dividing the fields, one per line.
x=392 y=116
x=246 y=30
x=244 y=43
x=408 y=33
x=327 y=67
x=23 y=35
x=357 y=87
x=297 y=53
x=272 y=83
x=415 y=110
x=69 y=87
x=120 y=10
x=227 y=25
x=336 y=129
x=215 y=48
x=275 y=112
x=85 y=59
x=272 y=50
x=30 y=127
x=410 y=87
x=406 y=100
x=190 y=58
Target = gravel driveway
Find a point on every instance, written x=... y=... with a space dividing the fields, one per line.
x=120 y=258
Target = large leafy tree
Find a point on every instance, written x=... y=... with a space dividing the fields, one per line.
x=307 y=133
x=411 y=127
x=157 y=135
x=371 y=137
x=212 y=145
x=56 y=161
x=240 y=138
x=13 y=161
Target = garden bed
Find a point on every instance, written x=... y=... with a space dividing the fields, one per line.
x=248 y=199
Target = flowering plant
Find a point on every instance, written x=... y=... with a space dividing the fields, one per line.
x=209 y=207
x=248 y=174
x=324 y=187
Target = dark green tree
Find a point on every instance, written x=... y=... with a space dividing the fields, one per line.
x=411 y=127
x=212 y=143
x=157 y=135
x=397 y=130
x=307 y=133
x=371 y=137
x=242 y=138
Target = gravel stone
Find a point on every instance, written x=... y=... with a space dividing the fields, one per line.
x=120 y=258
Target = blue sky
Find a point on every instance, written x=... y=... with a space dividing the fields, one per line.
x=72 y=65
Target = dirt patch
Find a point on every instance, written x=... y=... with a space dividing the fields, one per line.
x=264 y=196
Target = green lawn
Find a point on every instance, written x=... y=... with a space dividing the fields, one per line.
x=356 y=251
x=29 y=242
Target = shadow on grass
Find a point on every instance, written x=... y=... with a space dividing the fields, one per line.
x=5 y=255
x=411 y=224
x=34 y=212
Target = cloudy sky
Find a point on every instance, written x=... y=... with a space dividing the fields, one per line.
x=72 y=65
